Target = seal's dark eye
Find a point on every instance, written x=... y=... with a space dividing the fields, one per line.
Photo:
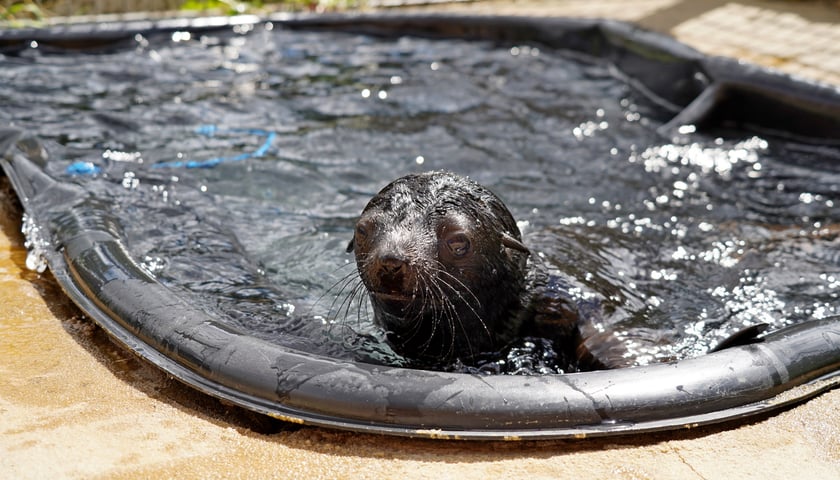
x=365 y=228
x=458 y=244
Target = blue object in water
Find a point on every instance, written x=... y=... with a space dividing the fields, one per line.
x=83 y=168
x=211 y=130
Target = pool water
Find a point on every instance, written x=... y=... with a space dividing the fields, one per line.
x=682 y=240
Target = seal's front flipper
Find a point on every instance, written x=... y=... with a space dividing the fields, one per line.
x=745 y=336
x=623 y=348
x=602 y=351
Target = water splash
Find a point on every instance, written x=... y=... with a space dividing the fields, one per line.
x=35 y=244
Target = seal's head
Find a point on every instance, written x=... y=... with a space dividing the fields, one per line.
x=442 y=259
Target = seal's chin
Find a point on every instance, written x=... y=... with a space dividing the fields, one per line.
x=393 y=311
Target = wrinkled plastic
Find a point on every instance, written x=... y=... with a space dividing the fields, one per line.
x=89 y=260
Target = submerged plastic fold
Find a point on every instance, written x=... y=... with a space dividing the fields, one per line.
x=87 y=256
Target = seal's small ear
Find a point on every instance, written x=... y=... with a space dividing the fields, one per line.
x=351 y=245
x=515 y=244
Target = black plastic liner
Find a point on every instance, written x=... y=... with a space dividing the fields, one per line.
x=89 y=260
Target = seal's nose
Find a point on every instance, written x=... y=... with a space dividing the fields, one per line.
x=391 y=265
x=392 y=272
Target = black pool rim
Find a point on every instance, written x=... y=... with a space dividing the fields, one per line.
x=88 y=258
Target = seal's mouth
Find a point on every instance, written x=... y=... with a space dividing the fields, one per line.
x=395 y=303
x=393 y=297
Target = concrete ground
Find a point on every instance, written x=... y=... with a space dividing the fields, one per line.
x=74 y=405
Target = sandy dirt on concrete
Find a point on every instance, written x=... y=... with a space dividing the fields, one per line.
x=75 y=405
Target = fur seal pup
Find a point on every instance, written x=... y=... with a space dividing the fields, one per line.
x=448 y=276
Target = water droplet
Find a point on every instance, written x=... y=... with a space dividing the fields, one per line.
x=181 y=36
x=130 y=181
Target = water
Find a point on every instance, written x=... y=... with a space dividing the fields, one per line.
x=685 y=240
